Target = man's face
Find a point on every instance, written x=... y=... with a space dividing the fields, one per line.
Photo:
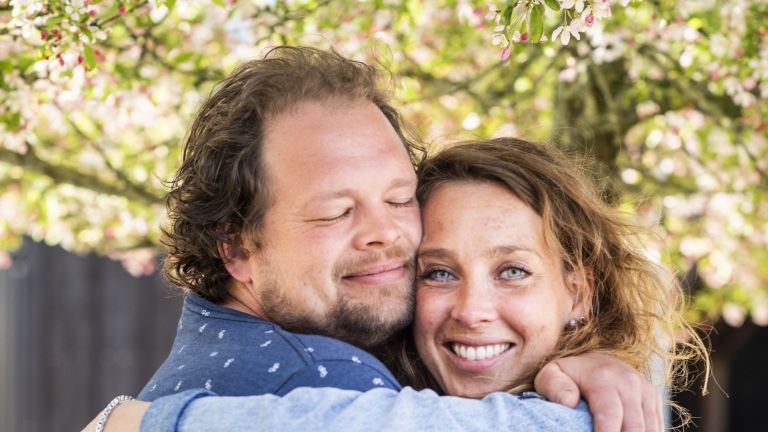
x=336 y=250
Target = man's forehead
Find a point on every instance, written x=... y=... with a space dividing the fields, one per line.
x=299 y=109
x=312 y=150
x=313 y=132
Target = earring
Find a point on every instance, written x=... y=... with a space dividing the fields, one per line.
x=575 y=323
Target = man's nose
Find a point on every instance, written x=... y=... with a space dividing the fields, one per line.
x=378 y=228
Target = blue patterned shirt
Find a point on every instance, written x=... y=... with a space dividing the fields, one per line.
x=236 y=354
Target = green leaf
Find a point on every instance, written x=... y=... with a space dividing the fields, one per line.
x=89 y=57
x=506 y=15
x=182 y=58
x=25 y=62
x=220 y=3
x=553 y=4
x=12 y=121
x=537 y=23
x=523 y=28
x=84 y=30
x=53 y=21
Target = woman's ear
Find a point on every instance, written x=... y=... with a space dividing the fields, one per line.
x=235 y=258
x=580 y=284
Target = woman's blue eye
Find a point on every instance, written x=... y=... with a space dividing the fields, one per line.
x=437 y=275
x=514 y=273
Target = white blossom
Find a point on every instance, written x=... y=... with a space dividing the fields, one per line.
x=601 y=9
x=566 y=31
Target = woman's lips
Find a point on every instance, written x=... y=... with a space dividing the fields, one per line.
x=477 y=357
x=482 y=352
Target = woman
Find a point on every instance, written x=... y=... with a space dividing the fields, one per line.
x=520 y=263
x=521 y=259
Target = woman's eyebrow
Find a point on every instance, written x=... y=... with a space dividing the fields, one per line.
x=436 y=253
x=503 y=250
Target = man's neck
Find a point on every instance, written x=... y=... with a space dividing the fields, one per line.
x=244 y=301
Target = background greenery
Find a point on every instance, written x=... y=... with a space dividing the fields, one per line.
x=669 y=96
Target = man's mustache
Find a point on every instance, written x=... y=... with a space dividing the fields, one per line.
x=362 y=263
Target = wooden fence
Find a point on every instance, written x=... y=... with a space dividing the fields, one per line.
x=75 y=332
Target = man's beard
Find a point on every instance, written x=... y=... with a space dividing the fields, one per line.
x=351 y=321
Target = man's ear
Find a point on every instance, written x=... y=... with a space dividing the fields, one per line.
x=235 y=257
x=580 y=284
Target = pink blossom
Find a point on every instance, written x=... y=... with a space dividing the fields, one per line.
x=505 y=53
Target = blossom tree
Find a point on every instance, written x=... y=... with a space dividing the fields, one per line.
x=668 y=97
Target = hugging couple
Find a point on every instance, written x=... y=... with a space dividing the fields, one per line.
x=338 y=278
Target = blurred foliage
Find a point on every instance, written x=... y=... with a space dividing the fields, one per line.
x=668 y=96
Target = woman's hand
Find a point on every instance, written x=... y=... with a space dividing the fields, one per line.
x=619 y=398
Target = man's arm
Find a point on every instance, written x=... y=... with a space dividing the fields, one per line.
x=618 y=396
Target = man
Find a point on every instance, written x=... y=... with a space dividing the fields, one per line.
x=294 y=214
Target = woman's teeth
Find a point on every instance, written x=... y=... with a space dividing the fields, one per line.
x=479 y=352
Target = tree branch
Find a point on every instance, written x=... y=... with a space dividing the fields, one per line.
x=119 y=174
x=704 y=100
x=61 y=174
x=604 y=92
x=118 y=15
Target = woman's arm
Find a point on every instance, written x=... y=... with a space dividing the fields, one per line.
x=126 y=417
x=618 y=396
x=329 y=409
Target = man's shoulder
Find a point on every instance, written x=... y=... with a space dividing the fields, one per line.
x=334 y=363
x=326 y=348
x=201 y=308
x=205 y=324
x=227 y=351
x=236 y=354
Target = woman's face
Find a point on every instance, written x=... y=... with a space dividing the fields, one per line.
x=492 y=298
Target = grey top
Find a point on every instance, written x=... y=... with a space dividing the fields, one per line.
x=329 y=409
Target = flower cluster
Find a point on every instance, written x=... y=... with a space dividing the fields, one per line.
x=524 y=20
x=65 y=31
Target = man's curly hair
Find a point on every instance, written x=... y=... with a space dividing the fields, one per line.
x=221 y=190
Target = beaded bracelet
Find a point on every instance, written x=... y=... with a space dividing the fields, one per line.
x=108 y=410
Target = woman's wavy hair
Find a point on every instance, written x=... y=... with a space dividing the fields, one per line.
x=221 y=192
x=636 y=309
